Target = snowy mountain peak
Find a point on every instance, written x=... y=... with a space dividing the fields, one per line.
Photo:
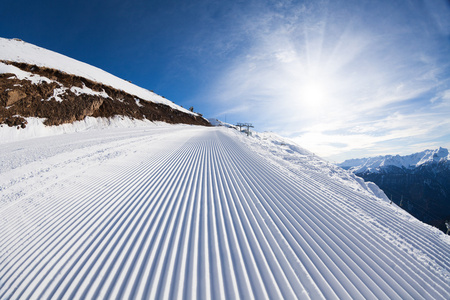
x=441 y=153
x=373 y=164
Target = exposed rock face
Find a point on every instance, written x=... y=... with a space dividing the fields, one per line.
x=64 y=98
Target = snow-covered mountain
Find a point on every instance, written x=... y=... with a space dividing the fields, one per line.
x=419 y=183
x=378 y=163
x=35 y=82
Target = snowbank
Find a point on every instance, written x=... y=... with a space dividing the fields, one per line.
x=36 y=128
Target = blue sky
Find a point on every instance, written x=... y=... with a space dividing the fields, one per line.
x=344 y=79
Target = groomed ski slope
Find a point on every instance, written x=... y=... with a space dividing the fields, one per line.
x=168 y=212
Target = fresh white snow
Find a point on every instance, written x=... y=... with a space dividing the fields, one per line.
x=20 y=51
x=85 y=90
x=22 y=75
x=176 y=211
x=36 y=128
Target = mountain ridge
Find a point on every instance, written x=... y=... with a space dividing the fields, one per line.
x=419 y=183
x=377 y=163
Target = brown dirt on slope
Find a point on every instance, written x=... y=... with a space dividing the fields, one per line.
x=21 y=98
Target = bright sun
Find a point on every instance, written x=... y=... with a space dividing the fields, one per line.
x=314 y=91
x=314 y=95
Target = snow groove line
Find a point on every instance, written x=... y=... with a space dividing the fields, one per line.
x=95 y=262
x=177 y=285
x=161 y=168
x=218 y=287
x=204 y=263
x=313 y=288
x=240 y=220
x=82 y=156
x=116 y=253
x=391 y=262
x=191 y=288
x=304 y=253
x=39 y=240
x=154 y=190
x=415 y=239
x=337 y=260
x=240 y=279
x=43 y=208
x=419 y=278
x=404 y=230
x=167 y=236
x=208 y=219
x=344 y=255
x=229 y=274
x=261 y=172
x=48 y=204
x=154 y=253
x=166 y=284
x=249 y=198
x=311 y=229
x=227 y=287
x=133 y=276
x=261 y=230
x=313 y=182
x=302 y=217
x=258 y=256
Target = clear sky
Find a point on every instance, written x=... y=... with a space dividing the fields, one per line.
x=344 y=79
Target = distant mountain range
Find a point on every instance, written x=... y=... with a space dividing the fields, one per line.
x=419 y=183
x=379 y=163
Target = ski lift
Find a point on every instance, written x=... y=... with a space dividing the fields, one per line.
x=248 y=125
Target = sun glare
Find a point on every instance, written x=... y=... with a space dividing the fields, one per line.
x=314 y=95
x=314 y=92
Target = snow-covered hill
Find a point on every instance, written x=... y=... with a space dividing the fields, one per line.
x=15 y=50
x=175 y=211
x=375 y=164
x=35 y=82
